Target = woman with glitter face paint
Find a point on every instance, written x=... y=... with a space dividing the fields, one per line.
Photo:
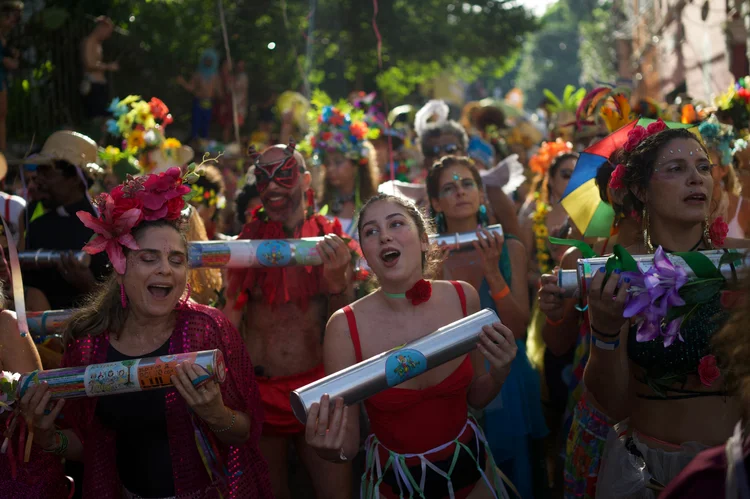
x=660 y=381
x=194 y=439
x=513 y=421
x=406 y=437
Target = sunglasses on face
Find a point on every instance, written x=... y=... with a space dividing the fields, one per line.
x=437 y=151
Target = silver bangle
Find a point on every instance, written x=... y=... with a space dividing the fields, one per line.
x=234 y=418
x=342 y=456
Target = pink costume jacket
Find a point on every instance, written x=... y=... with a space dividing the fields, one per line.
x=197 y=328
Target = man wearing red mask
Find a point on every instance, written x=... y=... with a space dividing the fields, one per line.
x=282 y=313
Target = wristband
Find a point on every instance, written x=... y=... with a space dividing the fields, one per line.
x=61 y=444
x=501 y=294
x=602 y=334
x=231 y=425
x=605 y=345
x=555 y=323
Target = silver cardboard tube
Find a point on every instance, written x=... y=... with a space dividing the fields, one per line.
x=45 y=258
x=246 y=253
x=572 y=281
x=388 y=369
x=463 y=239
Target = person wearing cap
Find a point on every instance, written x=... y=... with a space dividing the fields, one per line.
x=65 y=167
x=10 y=15
x=94 y=87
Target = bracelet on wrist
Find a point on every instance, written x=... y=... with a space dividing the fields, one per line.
x=227 y=428
x=603 y=334
x=61 y=444
x=605 y=345
x=501 y=294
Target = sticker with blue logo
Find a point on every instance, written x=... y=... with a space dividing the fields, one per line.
x=403 y=365
x=274 y=253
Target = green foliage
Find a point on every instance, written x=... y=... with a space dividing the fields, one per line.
x=550 y=56
x=597 y=51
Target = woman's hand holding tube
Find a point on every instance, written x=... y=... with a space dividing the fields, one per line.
x=498 y=345
x=606 y=302
x=326 y=429
x=202 y=393
x=34 y=408
x=550 y=297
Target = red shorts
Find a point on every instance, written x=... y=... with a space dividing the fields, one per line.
x=274 y=393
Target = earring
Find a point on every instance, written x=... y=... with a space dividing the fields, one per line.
x=123 y=297
x=646 y=234
x=482 y=217
x=440 y=223
x=707 y=234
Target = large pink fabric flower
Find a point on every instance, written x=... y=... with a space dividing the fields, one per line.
x=112 y=232
x=637 y=134
x=158 y=191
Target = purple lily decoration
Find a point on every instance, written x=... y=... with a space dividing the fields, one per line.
x=652 y=293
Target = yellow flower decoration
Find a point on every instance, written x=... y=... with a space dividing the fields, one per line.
x=541 y=232
x=136 y=140
x=171 y=143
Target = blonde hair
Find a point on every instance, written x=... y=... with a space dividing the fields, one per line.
x=204 y=283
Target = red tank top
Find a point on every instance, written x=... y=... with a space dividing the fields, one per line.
x=409 y=421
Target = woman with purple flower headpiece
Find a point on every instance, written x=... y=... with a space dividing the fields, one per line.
x=651 y=366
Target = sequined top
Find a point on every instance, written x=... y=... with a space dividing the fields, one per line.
x=665 y=366
x=197 y=328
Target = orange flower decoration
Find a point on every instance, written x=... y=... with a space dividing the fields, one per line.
x=542 y=160
x=359 y=129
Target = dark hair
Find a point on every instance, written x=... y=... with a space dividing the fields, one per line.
x=449 y=127
x=733 y=349
x=102 y=311
x=433 y=176
x=242 y=201
x=540 y=183
x=639 y=163
x=489 y=116
x=432 y=258
x=367 y=176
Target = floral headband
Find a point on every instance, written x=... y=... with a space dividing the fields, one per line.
x=720 y=137
x=145 y=198
x=543 y=159
x=338 y=128
x=635 y=137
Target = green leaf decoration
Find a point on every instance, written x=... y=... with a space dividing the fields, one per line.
x=731 y=258
x=586 y=250
x=702 y=290
x=555 y=102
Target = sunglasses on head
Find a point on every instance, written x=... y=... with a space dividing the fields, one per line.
x=436 y=151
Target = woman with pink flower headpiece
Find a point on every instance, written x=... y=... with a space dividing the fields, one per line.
x=197 y=439
x=651 y=364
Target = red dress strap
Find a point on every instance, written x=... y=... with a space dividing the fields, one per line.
x=353 y=332
x=461 y=295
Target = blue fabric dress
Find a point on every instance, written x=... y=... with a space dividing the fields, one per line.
x=514 y=417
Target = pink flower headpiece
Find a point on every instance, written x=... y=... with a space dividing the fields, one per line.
x=146 y=198
x=635 y=137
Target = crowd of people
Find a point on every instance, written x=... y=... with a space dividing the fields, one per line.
x=636 y=385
